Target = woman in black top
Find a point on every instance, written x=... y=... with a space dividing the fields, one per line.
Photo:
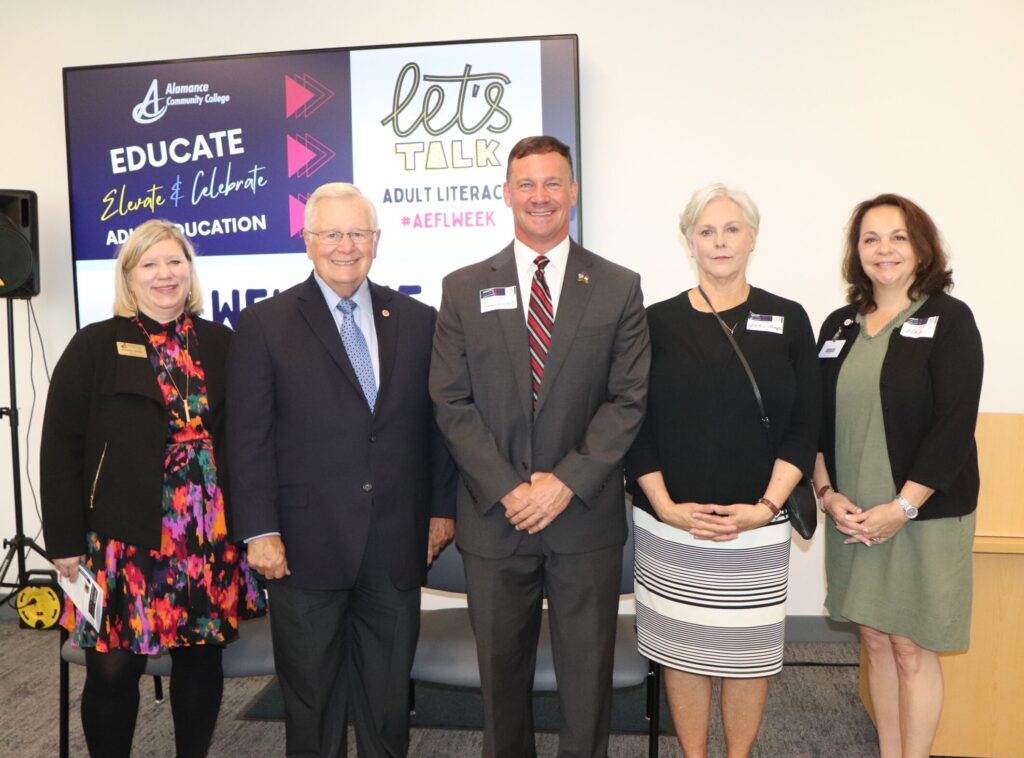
x=712 y=545
x=132 y=477
x=898 y=469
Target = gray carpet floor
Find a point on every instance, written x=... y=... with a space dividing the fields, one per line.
x=813 y=711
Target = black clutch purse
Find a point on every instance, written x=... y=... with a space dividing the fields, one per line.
x=801 y=505
x=803 y=509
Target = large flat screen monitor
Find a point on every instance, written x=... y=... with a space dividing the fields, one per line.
x=231 y=147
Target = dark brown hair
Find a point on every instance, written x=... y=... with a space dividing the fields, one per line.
x=534 y=146
x=933 y=271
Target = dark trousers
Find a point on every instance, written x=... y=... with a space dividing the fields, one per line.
x=346 y=654
x=505 y=597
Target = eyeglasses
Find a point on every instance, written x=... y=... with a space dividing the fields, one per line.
x=358 y=236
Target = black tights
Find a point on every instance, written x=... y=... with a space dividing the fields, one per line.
x=110 y=700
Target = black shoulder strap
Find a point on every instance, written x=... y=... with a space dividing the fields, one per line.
x=746 y=366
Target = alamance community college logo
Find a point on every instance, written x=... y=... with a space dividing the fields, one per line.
x=153 y=106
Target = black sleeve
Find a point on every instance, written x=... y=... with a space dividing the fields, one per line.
x=955 y=367
x=799 y=446
x=62 y=451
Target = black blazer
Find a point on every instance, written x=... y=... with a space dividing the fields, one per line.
x=703 y=427
x=312 y=462
x=930 y=391
x=104 y=436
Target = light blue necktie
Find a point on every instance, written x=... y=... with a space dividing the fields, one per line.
x=358 y=353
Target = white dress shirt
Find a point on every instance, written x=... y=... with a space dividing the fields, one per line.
x=363 y=315
x=554 y=273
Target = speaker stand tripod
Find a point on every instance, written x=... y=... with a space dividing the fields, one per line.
x=19 y=544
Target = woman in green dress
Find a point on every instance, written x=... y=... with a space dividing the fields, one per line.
x=897 y=471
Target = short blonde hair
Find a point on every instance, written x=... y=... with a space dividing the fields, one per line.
x=139 y=241
x=703 y=196
x=335 y=191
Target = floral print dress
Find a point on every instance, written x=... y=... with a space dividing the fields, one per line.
x=196 y=587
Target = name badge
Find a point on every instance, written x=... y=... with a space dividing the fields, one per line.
x=917 y=328
x=831 y=348
x=761 y=323
x=131 y=349
x=497 y=299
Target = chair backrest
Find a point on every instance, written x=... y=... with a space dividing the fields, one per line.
x=447 y=572
x=449 y=575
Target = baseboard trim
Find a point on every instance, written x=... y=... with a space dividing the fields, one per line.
x=819 y=629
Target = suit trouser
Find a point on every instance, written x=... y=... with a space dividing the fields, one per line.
x=505 y=604
x=346 y=653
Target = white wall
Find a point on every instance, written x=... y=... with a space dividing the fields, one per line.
x=810 y=106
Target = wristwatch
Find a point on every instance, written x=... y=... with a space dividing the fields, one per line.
x=909 y=509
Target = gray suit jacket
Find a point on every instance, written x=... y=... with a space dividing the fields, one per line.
x=591 y=403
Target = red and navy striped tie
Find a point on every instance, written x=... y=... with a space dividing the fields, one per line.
x=539 y=322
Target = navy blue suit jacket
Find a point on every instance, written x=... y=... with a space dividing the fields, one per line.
x=310 y=460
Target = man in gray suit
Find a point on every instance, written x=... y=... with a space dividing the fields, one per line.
x=539 y=382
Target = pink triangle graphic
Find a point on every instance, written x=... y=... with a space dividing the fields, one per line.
x=295 y=96
x=296 y=215
x=298 y=155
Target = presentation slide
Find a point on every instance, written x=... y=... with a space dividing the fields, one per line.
x=231 y=148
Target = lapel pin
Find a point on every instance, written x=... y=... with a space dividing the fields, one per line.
x=385 y=313
x=583 y=277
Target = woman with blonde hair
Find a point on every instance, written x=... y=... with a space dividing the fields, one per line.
x=710 y=476
x=132 y=488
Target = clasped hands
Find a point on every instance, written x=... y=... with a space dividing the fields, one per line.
x=533 y=505
x=715 y=522
x=869 y=527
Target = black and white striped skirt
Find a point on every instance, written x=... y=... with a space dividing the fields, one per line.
x=712 y=608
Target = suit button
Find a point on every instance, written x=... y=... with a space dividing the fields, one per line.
x=525 y=467
x=367 y=487
x=373 y=438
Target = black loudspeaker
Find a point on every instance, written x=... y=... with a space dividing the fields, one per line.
x=19 y=244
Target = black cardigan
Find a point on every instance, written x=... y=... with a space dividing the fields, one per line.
x=702 y=429
x=105 y=405
x=930 y=391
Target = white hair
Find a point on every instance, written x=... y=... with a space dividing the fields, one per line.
x=336 y=190
x=703 y=196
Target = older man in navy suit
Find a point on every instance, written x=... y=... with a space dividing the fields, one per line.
x=341 y=483
x=539 y=377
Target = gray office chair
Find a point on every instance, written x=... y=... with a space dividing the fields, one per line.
x=446 y=653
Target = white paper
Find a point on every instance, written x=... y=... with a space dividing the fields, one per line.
x=86 y=594
x=831 y=348
x=916 y=328
x=761 y=323
x=497 y=298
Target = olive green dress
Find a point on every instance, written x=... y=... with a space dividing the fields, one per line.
x=917 y=584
